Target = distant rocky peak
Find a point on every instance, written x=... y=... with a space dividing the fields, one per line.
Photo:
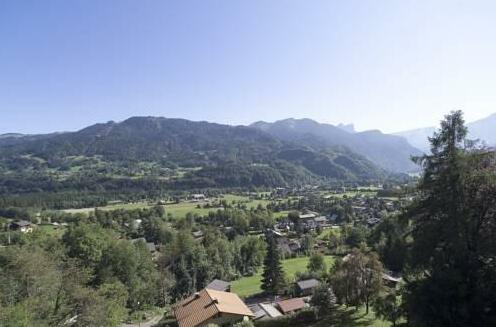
x=350 y=128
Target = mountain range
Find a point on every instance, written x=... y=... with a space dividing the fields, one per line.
x=184 y=154
x=387 y=151
x=176 y=152
x=482 y=130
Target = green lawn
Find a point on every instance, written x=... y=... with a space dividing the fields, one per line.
x=52 y=230
x=125 y=206
x=343 y=317
x=250 y=203
x=178 y=210
x=281 y=214
x=247 y=286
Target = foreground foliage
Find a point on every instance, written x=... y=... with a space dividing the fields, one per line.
x=452 y=276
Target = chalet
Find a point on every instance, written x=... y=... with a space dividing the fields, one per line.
x=219 y=285
x=22 y=225
x=306 y=287
x=211 y=307
x=291 y=305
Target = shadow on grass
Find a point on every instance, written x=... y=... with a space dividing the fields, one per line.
x=341 y=317
x=349 y=317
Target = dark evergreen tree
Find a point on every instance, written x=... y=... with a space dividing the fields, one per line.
x=324 y=300
x=452 y=280
x=273 y=280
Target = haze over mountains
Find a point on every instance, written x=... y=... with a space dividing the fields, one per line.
x=388 y=151
x=483 y=130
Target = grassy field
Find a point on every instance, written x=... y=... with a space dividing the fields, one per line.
x=281 y=214
x=57 y=231
x=247 y=286
x=343 y=317
x=250 y=203
x=178 y=210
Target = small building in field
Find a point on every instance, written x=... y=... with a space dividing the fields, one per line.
x=306 y=287
x=211 y=307
x=22 y=226
x=219 y=285
x=291 y=305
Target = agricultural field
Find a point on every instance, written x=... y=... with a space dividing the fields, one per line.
x=247 y=286
x=250 y=203
x=179 y=210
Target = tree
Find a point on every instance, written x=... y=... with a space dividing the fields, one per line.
x=251 y=253
x=307 y=243
x=94 y=309
x=316 y=264
x=273 y=280
x=87 y=243
x=357 y=279
x=452 y=276
x=323 y=299
x=389 y=240
x=355 y=236
x=388 y=307
x=115 y=296
x=18 y=316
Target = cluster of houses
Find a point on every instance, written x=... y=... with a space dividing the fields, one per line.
x=308 y=220
x=368 y=213
x=215 y=304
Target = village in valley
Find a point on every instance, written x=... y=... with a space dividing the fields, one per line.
x=311 y=228
x=247 y=163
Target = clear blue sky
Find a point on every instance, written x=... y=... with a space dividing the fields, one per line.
x=391 y=65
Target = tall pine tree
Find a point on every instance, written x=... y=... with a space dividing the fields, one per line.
x=273 y=280
x=452 y=275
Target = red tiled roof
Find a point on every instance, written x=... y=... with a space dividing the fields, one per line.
x=206 y=304
x=291 y=305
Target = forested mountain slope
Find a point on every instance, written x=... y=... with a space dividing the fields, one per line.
x=178 y=152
